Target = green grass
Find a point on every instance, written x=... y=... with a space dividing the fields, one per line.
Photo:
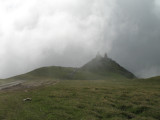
x=97 y=68
x=85 y=100
x=67 y=73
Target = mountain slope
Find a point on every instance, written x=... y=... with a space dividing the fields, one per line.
x=98 y=68
x=53 y=72
x=103 y=65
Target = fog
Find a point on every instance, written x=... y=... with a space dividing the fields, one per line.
x=70 y=32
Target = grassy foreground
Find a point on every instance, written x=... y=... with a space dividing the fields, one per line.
x=84 y=100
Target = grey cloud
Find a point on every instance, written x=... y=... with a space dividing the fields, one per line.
x=70 y=33
x=50 y=33
x=137 y=43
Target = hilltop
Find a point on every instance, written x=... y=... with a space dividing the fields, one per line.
x=98 y=68
x=105 y=66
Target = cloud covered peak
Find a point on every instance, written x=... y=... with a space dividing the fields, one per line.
x=70 y=32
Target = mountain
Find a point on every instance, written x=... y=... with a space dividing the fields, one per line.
x=104 y=65
x=98 y=68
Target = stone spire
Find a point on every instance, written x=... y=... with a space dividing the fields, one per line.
x=105 y=55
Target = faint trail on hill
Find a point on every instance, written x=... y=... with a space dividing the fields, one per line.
x=11 y=84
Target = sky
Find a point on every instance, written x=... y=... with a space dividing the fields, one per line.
x=36 y=33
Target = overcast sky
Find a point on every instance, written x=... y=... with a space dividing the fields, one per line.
x=36 y=33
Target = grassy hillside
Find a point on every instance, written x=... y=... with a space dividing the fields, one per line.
x=47 y=72
x=103 y=65
x=84 y=100
x=64 y=73
x=98 y=68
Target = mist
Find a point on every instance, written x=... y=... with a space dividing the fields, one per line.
x=70 y=32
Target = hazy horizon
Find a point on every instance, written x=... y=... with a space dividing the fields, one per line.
x=70 y=33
